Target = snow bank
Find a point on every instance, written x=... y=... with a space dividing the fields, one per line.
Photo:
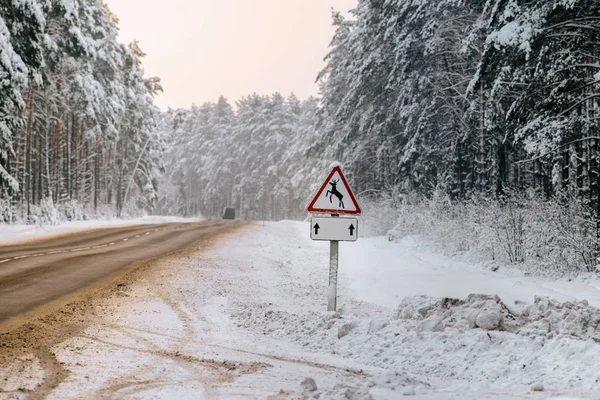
x=448 y=339
x=552 y=319
x=545 y=318
x=476 y=342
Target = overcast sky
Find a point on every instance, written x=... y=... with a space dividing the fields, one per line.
x=204 y=48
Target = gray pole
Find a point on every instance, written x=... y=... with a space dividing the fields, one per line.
x=333 y=272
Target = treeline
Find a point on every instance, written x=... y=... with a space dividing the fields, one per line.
x=251 y=158
x=462 y=97
x=465 y=97
x=77 y=121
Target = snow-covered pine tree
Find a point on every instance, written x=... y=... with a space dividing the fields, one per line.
x=67 y=86
x=393 y=93
x=245 y=158
x=21 y=24
x=541 y=65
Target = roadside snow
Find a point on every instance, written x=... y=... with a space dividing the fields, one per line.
x=247 y=319
x=383 y=272
x=20 y=233
x=288 y=298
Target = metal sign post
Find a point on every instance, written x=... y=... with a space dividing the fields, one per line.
x=333 y=272
x=334 y=229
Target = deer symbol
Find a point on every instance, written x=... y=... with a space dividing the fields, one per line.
x=334 y=192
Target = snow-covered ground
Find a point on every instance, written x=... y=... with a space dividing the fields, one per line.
x=20 y=233
x=246 y=318
x=383 y=272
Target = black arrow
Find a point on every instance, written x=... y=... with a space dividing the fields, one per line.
x=317 y=227
x=352 y=228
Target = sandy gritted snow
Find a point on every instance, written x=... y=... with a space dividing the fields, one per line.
x=247 y=319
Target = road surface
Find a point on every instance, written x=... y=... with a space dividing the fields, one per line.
x=34 y=274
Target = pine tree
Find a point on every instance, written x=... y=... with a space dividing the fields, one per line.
x=74 y=103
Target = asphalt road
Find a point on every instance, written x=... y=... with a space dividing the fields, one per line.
x=34 y=274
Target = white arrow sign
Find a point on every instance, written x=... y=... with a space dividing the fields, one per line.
x=341 y=229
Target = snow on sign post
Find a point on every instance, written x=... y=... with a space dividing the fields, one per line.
x=334 y=197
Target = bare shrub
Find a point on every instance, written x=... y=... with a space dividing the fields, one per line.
x=549 y=236
x=380 y=213
x=577 y=235
x=509 y=227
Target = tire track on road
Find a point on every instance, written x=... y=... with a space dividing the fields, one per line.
x=74 y=262
x=40 y=330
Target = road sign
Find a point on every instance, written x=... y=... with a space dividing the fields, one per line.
x=341 y=229
x=334 y=196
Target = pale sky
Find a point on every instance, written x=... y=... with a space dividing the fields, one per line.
x=202 y=49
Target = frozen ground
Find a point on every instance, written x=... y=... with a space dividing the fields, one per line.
x=19 y=233
x=383 y=272
x=245 y=318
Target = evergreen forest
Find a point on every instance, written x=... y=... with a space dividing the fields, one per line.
x=462 y=98
x=76 y=114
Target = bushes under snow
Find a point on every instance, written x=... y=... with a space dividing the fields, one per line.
x=557 y=236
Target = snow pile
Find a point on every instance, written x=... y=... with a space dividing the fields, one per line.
x=545 y=318
x=383 y=386
x=551 y=319
x=476 y=340
x=476 y=311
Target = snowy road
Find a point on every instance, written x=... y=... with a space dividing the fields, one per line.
x=242 y=316
x=34 y=274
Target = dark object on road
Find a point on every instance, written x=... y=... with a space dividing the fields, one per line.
x=229 y=213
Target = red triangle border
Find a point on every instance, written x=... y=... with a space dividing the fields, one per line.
x=311 y=208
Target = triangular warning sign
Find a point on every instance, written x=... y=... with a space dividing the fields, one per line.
x=334 y=196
